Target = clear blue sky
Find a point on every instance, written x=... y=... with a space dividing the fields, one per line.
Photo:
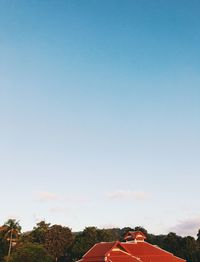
x=99 y=113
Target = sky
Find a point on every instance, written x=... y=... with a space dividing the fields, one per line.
x=99 y=113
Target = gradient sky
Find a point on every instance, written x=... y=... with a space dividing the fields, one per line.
x=100 y=113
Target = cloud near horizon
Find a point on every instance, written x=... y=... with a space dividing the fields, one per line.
x=128 y=195
x=47 y=196
x=58 y=209
x=187 y=227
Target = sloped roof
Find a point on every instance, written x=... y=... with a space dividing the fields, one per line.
x=161 y=259
x=108 y=251
x=130 y=251
x=100 y=249
x=148 y=252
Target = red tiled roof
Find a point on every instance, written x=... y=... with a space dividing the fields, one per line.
x=135 y=251
x=110 y=252
x=148 y=252
x=162 y=258
x=100 y=249
x=143 y=248
x=123 y=259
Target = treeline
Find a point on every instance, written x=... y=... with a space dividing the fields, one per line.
x=49 y=243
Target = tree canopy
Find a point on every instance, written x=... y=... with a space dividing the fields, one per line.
x=30 y=252
x=58 y=239
x=47 y=243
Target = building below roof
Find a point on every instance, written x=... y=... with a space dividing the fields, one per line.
x=135 y=249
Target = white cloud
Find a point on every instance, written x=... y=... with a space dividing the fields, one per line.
x=75 y=199
x=187 y=227
x=128 y=195
x=47 y=196
x=58 y=209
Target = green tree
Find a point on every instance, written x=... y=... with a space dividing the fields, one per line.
x=30 y=252
x=11 y=230
x=156 y=240
x=39 y=232
x=141 y=229
x=3 y=244
x=173 y=243
x=106 y=235
x=84 y=241
x=189 y=249
x=90 y=236
x=198 y=237
x=58 y=239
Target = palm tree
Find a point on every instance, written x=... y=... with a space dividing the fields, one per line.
x=12 y=230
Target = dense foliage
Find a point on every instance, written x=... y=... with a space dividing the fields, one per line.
x=30 y=252
x=48 y=243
